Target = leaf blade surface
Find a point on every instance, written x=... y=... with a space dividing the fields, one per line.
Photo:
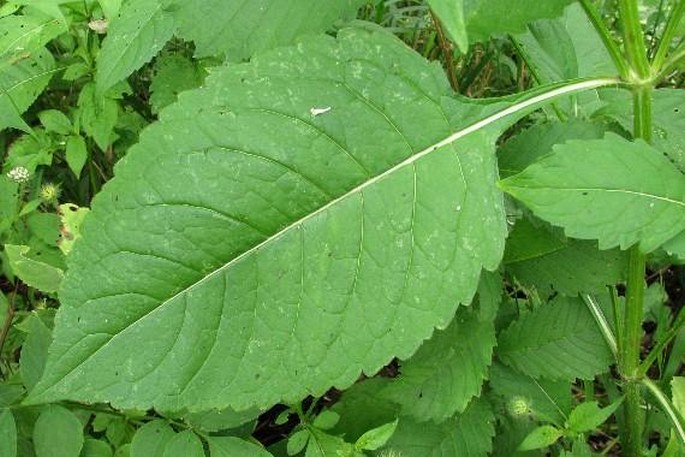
x=260 y=280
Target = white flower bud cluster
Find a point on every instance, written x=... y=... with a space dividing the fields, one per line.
x=19 y=175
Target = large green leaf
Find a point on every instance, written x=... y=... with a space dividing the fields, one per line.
x=613 y=190
x=262 y=247
x=467 y=435
x=559 y=340
x=486 y=18
x=134 y=37
x=447 y=371
x=240 y=28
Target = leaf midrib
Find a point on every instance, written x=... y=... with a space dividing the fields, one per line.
x=474 y=127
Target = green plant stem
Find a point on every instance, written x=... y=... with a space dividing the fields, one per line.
x=629 y=360
x=604 y=33
x=665 y=41
x=633 y=41
x=671 y=63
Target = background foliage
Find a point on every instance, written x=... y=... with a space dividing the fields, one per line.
x=276 y=228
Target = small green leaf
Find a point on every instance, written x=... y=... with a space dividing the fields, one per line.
x=151 y=439
x=134 y=37
x=71 y=217
x=55 y=121
x=57 y=433
x=543 y=436
x=326 y=420
x=322 y=444
x=34 y=352
x=184 y=444
x=75 y=71
x=451 y=15
x=613 y=190
x=228 y=446
x=377 y=437
x=8 y=432
x=588 y=416
x=96 y=448
x=76 y=154
x=98 y=115
x=297 y=441
x=40 y=275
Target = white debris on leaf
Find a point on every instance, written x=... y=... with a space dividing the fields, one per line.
x=98 y=25
x=19 y=175
x=318 y=111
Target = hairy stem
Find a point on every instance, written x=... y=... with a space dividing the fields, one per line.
x=630 y=356
x=629 y=360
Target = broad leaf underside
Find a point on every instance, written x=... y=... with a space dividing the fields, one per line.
x=250 y=250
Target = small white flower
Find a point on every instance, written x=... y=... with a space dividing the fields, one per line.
x=19 y=175
x=98 y=26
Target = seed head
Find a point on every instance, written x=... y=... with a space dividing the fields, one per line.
x=518 y=406
x=49 y=193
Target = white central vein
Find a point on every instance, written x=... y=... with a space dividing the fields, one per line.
x=515 y=108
